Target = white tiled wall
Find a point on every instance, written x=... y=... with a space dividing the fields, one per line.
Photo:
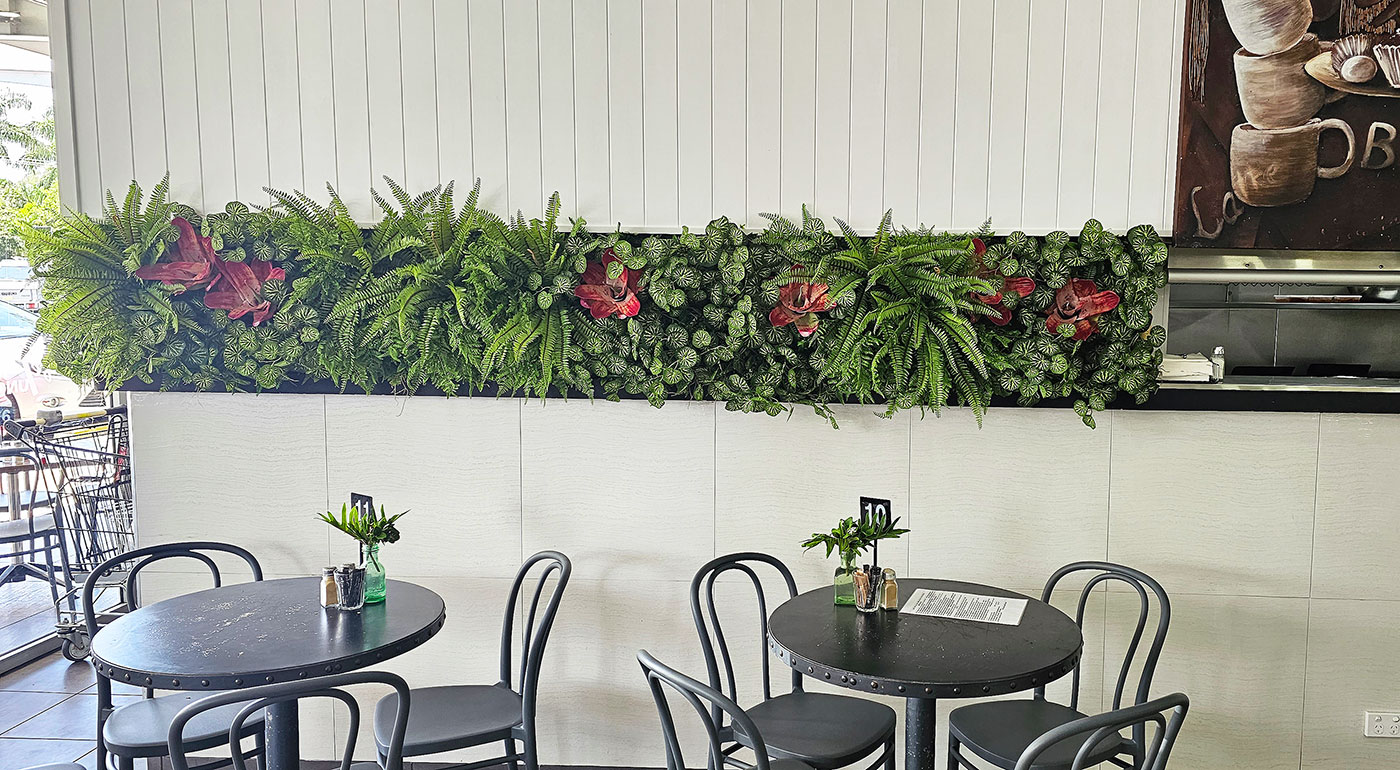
x=1272 y=532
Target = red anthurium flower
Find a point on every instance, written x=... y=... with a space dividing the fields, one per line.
x=1077 y=302
x=1022 y=287
x=192 y=264
x=978 y=247
x=604 y=296
x=799 y=302
x=238 y=288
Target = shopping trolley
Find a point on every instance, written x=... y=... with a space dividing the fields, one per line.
x=85 y=459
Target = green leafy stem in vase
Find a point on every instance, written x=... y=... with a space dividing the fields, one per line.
x=851 y=537
x=370 y=529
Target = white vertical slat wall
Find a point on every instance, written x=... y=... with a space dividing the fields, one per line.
x=649 y=114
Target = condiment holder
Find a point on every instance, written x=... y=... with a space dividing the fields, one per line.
x=350 y=587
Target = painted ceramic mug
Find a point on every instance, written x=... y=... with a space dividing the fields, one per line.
x=1278 y=166
x=1275 y=90
x=1268 y=26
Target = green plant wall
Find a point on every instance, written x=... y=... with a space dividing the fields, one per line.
x=444 y=294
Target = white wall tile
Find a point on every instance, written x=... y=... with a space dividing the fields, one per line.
x=626 y=491
x=1241 y=661
x=1215 y=502
x=212 y=462
x=595 y=708
x=777 y=481
x=1010 y=502
x=1351 y=653
x=1354 y=553
x=454 y=464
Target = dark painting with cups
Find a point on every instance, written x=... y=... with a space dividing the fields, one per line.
x=1289 y=115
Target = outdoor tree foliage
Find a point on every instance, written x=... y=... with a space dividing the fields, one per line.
x=443 y=294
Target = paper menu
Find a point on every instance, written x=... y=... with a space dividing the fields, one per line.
x=961 y=606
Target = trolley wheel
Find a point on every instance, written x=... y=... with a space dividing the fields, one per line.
x=76 y=649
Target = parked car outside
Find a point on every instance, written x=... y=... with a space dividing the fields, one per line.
x=18 y=286
x=25 y=385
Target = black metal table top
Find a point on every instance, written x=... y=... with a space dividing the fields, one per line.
x=259 y=632
x=916 y=656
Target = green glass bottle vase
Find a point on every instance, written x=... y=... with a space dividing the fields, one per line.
x=844 y=580
x=375 y=588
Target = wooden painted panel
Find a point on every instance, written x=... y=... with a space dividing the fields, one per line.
x=245 y=53
x=108 y=25
x=420 y=126
x=146 y=102
x=282 y=93
x=214 y=92
x=350 y=88
x=651 y=114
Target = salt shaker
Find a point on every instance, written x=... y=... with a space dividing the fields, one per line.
x=889 y=591
x=330 y=597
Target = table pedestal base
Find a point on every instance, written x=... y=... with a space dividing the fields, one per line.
x=282 y=730
x=920 y=733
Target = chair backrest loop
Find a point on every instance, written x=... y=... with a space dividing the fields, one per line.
x=706 y=702
x=714 y=644
x=140 y=558
x=256 y=699
x=1148 y=590
x=1101 y=727
x=535 y=634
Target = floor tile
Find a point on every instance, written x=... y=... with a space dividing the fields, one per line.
x=15 y=707
x=50 y=674
x=72 y=719
x=18 y=754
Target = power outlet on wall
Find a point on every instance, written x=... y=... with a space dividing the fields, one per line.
x=1382 y=724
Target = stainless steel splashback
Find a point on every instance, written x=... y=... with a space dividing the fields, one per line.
x=1228 y=299
x=1217 y=266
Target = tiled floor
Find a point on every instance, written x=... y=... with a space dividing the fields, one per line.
x=47 y=714
x=26 y=613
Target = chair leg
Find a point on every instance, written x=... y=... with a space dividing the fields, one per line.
x=260 y=748
x=510 y=751
x=126 y=763
x=50 y=543
x=532 y=760
x=953 y=746
x=889 y=754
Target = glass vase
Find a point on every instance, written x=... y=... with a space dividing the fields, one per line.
x=844 y=580
x=375 y=588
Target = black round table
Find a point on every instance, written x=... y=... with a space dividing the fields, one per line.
x=922 y=658
x=255 y=633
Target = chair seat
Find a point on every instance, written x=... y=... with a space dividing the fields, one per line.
x=20 y=528
x=28 y=498
x=139 y=729
x=999 y=731
x=452 y=717
x=820 y=729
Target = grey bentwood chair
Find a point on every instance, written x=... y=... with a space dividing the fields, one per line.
x=1058 y=744
x=1000 y=731
x=138 y=730
x=251 y=701
x=706 y=701
x=462 y=716
x=819 y=729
